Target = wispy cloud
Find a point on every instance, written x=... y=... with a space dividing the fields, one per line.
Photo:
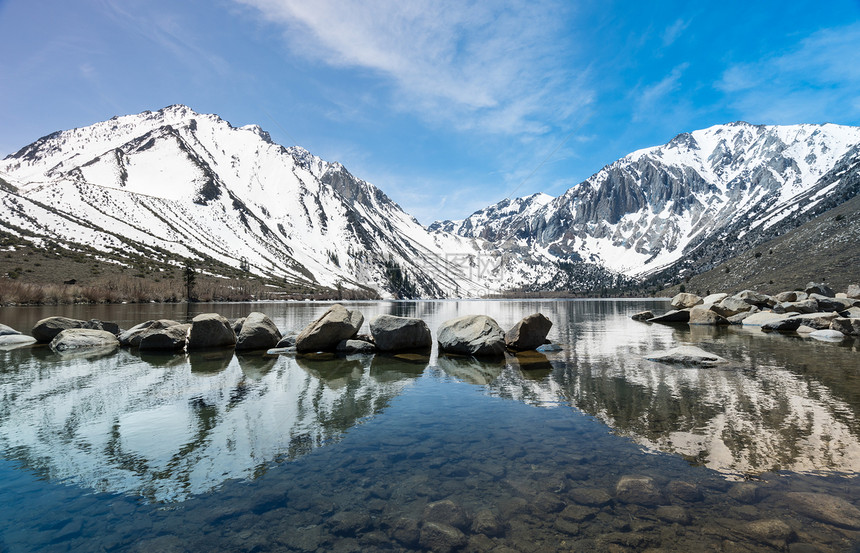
x=648 y=100
x=818 y=81
x=499 y=68
x=673 y=31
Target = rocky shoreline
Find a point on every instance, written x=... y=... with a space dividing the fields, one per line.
x=335 y=331
x=816 y=311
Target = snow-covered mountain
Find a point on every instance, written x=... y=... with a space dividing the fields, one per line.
x=175 y=184
x=710 y=193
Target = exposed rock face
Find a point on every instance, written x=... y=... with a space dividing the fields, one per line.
x=754 y=298
x=817 y=321
x=819 y=288
x=132 y=336
x=210 y=330
x=324 y=334
x=685 y=301
x=476 y=335
x=804 y=306
x=789 y=324
x=714 y=298
x=832 y=304
x=783 y=297
x=257 y=332
x=529 y=333
x=849 y=327
x=853 y=292
x=171 y=338
x=704 y=315
x=392 y=333
x=74 y=338
x=758 y=319
x=642 y=316
x=675 y=316
x=686 y=355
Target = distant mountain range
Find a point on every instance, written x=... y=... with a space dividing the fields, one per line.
x=175 y=186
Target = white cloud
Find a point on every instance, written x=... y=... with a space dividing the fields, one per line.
x=501 y=68
x=816 y=82
x=649 y=101
x=675 y=30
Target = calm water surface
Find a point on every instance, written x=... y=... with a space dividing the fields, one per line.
x=588 y=449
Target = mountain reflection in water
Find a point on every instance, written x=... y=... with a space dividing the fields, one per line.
x=165 y=427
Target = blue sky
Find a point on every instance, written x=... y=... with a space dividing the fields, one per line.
x=449 y=105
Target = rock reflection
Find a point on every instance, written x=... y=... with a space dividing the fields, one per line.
x=784 y=404
x=166 y=427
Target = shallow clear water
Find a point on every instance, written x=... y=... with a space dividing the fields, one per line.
x=225 y=452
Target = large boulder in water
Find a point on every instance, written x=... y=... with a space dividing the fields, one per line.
x=7 y=330
x=172 y=338
x=849 y=327
x=210 y=330
x=686 y=355
x=529 y=333
x=257 y=332
x=686 y=301
x=132 y=336
x=477 y=335
x=731 y=306
x=324 y=334
x=47 y=329
x=674 y=316
x=392 y=333
x=74 y=338
x=704 y=315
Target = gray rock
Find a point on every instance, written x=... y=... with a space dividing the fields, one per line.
x=788 y=324
x=685 y=491
x=476 y=335
x=755 y=298
x=739 y=318
x=851 y=313
x=405 y=531
x=819 y=288
x=171 y=338
x=833 y=304
x=592 y=497
x=441 y=537
x=548 y=348
x=446 y=512
x=826 y=508
x=7 y=330
x=763 y=317
x=355 y=346
x=704 y=315
x=257 y=332
x=685 y=301
x=288 y=341
x=392 y=333
x=827 y=335
x=487 y=523
x=784 y=297
x=132 y=336
x=686 y=355
x=675 y=316
x=673 y=514
x=640 y=490
x=47 y=329
x=731 y=306
x=817 y=321
x=210 y=330
x=107 y=326
x=642 y=316
x=529 y=333
x=291 y=350
x=714 y=298
x=768 y=530
x=14 y=341
x=75 y=338
x=805 y=306
x=744 y=492
x=853 y=291
x=324 y=334
x=237 y=325
x=849 y=327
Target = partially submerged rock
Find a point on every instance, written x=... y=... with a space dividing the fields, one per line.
x=132 y=336
x=210 y=330
x=47 y=329
x=642 y=316
x=704 y=315
x=257 y=332
x=675 y=316
x=686 y=355
x=391 y=333
x=355 y=346
x=325 y=333
x=827 y=335
x=477 y=335
x=77 y=338
x=172 y=338
x=764 y=317
x=7 y=330
x=786 y=324
x=850 y=327
x=14 y=341
x=529 y=333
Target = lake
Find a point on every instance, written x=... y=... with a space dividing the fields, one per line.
x=591 y=448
